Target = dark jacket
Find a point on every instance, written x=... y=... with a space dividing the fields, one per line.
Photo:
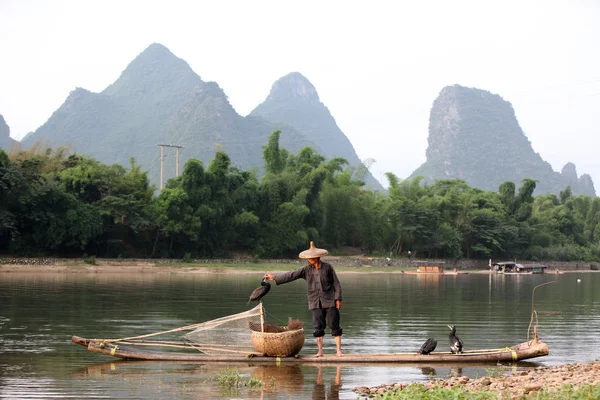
x=323 y=286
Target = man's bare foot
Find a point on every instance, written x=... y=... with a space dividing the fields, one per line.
x=339 y=353
x=319 y=354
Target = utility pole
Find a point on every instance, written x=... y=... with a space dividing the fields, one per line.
x=177 y=162
x=162 y=160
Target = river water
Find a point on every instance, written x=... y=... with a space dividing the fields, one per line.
x=39 y=312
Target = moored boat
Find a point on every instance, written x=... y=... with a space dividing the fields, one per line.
x=512 y=268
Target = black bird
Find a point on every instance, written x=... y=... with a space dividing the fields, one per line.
x=428 y=346
x=260 y=291
x=456 y=345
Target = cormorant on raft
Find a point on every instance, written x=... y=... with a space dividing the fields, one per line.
x=456 y=345
x=260 y=291
x=428 y=346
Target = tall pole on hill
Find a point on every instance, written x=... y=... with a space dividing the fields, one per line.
x=162 y=160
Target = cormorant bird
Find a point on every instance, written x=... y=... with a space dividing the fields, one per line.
x=428 y=346
x=456 y=345
x=260 y=291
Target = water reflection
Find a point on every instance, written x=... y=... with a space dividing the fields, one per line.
x=430 y=280
x=287 y=378
x=429 y=372
x=277 y=380
x=320 y=392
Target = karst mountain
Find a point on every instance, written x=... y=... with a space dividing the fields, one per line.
x=159 y=99
x=474 y=135
x=293 y=100
x=6 y=142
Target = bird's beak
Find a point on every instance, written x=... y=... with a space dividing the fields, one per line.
x=449 y=327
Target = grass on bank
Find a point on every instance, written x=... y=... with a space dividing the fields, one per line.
x=418 y=391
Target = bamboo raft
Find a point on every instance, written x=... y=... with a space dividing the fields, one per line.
x=523 y=351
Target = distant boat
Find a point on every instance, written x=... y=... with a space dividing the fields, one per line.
x=512 y=268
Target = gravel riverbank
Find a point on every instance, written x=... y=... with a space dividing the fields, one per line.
x=512 y=385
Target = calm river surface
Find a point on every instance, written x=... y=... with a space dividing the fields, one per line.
x=39 y=312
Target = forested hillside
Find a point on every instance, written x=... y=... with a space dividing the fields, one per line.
x=67 y=205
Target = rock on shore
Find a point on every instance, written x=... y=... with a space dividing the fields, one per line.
x=517 y=384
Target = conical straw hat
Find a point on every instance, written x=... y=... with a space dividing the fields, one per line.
x=313 y=252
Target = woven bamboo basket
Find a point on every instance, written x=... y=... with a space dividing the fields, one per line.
x=280 y=344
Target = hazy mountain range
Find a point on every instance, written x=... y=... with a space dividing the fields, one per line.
x=158 y=99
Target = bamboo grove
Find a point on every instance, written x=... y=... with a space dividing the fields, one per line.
x=57 y=204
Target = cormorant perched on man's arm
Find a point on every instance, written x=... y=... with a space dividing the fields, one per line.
x=456 y=345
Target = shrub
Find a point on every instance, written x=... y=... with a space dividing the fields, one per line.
x=90 y=260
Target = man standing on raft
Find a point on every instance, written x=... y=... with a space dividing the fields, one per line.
x=324 y=294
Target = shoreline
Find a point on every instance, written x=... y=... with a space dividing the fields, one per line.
x=220 y=267
x=224 y=268
x=242 y=263
x=550 y=379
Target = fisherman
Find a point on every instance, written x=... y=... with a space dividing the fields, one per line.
x=324 y=295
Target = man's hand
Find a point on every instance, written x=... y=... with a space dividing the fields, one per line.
x=269 y=277
x=338 y=304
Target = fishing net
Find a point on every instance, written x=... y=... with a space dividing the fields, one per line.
x=230 y=333
x=245 y=333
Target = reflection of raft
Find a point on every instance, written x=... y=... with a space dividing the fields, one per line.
x=523 y=351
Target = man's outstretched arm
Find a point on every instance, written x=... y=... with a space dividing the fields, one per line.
x=286 y=276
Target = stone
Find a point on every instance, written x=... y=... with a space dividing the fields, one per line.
x=532 y=388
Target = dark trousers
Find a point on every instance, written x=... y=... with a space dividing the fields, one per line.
x=320 y=316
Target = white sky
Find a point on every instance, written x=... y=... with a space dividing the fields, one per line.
x=377 y=65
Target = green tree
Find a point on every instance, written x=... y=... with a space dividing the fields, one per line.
x=592 y=220
x=275 y=158
x=175 y=218
x=289 y=193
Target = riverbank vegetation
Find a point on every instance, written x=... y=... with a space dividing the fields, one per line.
x=69 y=205
x=561 y=382
x=567 y=392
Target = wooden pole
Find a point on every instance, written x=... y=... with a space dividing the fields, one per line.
x=262 y=318
x=177 y=163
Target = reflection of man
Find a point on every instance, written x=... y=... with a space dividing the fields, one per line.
x=324 y=295
x=334 y=388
